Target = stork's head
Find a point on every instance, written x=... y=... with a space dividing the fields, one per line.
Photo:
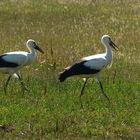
x=32 y=44
x=106 y=39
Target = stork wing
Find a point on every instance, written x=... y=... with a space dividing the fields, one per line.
x=12 y=59
x=96 y=63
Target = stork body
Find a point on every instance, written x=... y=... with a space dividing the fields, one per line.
x=12 y=62
x=91 y=65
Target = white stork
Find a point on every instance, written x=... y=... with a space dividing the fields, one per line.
x=91 y=65
x=12 y=62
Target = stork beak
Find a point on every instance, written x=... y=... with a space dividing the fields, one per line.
x=39 y=49
x=113 y=45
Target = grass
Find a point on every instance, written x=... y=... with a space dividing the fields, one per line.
x=67 y=31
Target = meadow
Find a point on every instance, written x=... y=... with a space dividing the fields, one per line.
x=68 y=30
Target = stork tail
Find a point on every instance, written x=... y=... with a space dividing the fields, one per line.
x=65 y=74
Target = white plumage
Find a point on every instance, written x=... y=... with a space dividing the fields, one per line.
x=91 y=65
x=96 y=65
x=11 y=62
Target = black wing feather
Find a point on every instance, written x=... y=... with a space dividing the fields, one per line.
x=77 y=69
x=4 y=63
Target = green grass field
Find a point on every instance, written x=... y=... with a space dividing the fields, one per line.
x=68 y=30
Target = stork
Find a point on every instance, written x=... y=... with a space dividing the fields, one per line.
x=12 y=62
x=91 y=65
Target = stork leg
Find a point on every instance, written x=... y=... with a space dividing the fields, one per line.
x=6 y=84
x=82 y=91
x=101 y=86
x=22 y=83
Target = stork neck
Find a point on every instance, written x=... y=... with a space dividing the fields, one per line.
x=109 y=54
x=31 y=55
x=32 y=51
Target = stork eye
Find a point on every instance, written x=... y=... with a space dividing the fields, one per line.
x=109 y=39
x=34 y=43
